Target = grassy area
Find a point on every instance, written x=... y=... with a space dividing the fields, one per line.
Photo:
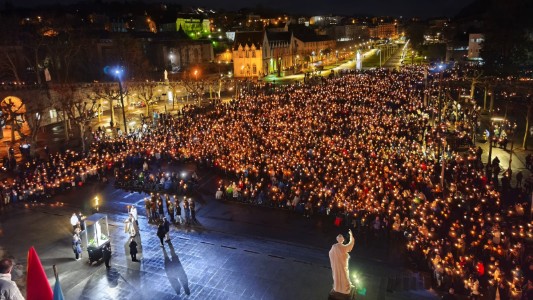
x=371 y=60
x=409 y=59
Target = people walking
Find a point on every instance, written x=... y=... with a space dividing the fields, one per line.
x=160 y=208
x=192 y=206
x=74 y=221
x=148 y=208
x=133 y=212
x=187 y=210
x=106 y=251
x=8 y=288
x=178 y=211
x=81 y=221
x=133 y=249
x=76 y=246
x=166 y=225
x=161 y=233
x=130 y=226
x=170 y=210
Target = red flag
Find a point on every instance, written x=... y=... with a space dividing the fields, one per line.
x=38 y=287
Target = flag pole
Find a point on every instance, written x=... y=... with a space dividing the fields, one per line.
x=55 y=271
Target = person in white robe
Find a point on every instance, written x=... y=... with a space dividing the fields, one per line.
x=338 y=257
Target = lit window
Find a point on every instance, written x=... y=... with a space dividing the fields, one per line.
x=53 y=114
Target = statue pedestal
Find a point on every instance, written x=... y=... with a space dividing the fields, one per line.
x=340 y=296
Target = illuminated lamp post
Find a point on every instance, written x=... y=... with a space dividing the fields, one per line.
x=117 y=72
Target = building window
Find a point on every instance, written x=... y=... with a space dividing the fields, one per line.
x=247 y=54
x=240 y=53
x=53 y=114
x=253 y=53
x=254 y=70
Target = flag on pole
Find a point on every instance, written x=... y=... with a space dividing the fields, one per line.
x=58 y=292
x=38 y=287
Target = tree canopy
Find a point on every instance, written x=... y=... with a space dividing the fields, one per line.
x=508 y=45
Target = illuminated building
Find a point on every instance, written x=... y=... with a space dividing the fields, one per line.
x=248 y=54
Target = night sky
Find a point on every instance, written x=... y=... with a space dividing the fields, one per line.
x=407 y=8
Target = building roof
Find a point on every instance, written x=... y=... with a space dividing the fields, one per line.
x=248 y=38
x=307 y=38
x=190 y=16
x=276 y=36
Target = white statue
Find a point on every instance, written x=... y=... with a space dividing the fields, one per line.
x=166 y=75
x=338 y=257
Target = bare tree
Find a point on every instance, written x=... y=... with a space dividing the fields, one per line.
x=35 y=108
x=13 y=110
x=62 y=51
x=174 y=87
x=109 y=92
x=9 y=62
x=475 y=80
x=146 y=91
x=79 y=111
x=215 y=86
x=196 y=88
x=63 y=93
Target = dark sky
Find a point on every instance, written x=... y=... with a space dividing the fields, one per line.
x=422 y=8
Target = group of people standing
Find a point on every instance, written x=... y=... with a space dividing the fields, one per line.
x=155 y=209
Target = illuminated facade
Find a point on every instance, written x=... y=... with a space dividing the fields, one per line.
x=193 y=25
x=384 y=31
x=475 y=40
x=278 y=54
x=311 y=47
x=248 y=54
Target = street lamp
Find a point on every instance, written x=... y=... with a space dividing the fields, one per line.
x=513 y=130
x=117 y=72
x=197 y=92
x=441 y=68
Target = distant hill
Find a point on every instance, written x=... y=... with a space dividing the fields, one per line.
x=474 y=10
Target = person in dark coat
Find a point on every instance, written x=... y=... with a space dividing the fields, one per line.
x=106 y=251
x=170 y=210
x=187 y=210
x=166 y=224
x=161 y=233
x=193 y=211
x=178 y=211
x=76 y=246
x=133 y=249
x=160 y=208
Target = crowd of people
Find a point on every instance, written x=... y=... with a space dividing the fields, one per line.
x=364 y=148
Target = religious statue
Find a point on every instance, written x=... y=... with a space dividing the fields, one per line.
x=166 y=75
x=338 y=257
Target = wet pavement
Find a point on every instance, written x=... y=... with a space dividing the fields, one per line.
x=236 y=251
